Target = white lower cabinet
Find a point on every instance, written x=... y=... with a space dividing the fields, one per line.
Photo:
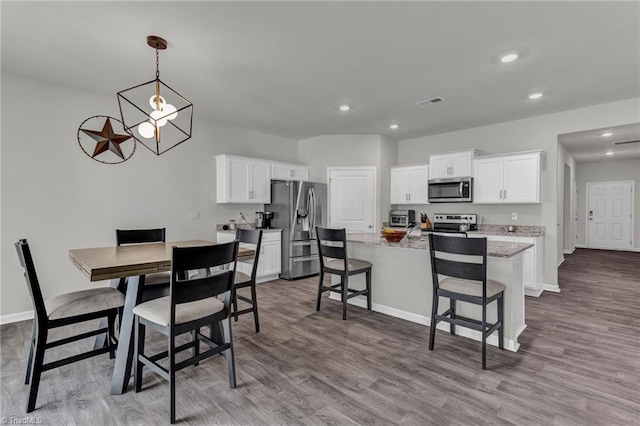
x=532 y=260
x=270 y=253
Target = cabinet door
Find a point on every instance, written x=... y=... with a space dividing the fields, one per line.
x=460 y=163
x=487 y=181
x=522 y=178
x=399 y=185
x=238 y=184
x=439 y=166
x=299 y=173
x=418 y=177
x=280 y=171
x=269 y=264
x=260 y=189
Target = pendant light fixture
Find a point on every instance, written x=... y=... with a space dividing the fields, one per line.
x=153 y=113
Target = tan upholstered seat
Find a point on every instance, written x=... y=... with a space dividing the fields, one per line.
x=157 y=278
x=354 y=264
x=158 y=310
x=471 y=288
x=83 y=302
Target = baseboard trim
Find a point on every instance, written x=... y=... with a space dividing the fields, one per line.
x=570 y=251
x=634 y=249
x=20 y=316
x=555 y=288
x=560 y=262
x=510 y=345
x=533 y=292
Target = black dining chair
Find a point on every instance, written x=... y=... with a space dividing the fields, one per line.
x=198 y=276
x=64 y=309
x=252 y=238
x=332 y=251
x=464 y=280
x=155 y=284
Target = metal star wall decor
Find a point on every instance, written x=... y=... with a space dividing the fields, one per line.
x=97 y=137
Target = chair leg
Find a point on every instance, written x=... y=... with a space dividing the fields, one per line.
x=320 y=280
x=235 y=304
x=228 y=354
x=111 y=336
x=501 y=319
x=345 y=292
x=369 y=289
x=432 y=329
x=484 y=337
x=452 y=306
x=138 y=347
x=196 y=344
x=36 y=371
x=254 y=302
x=32 y=344
x=172 y=377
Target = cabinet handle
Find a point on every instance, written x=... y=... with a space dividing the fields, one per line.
x=409 y=195
x=501 y=194
x=291 y=173
x=504 y=194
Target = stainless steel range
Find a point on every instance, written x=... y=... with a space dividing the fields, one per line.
x=453 y=223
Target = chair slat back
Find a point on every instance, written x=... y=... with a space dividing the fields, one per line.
x=253 y=237
x=332 y=244
x=189 y=288
x=140 y=236
x=458 y=268
x=30 y=276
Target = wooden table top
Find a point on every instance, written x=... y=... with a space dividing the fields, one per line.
x=105 y=263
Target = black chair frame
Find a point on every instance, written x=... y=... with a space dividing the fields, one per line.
x=186 y=289
x=339 y=253
x=250 y=237
x=467 y=271
x=42 y=324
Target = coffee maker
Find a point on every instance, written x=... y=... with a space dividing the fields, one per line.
x=263 y=220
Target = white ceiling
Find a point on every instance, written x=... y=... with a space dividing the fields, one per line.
x=284 y=67
x=590 y=145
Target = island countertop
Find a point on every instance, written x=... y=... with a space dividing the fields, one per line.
x=494 y=248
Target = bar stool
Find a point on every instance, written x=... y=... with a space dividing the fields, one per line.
x=332 y=251
x=467 y=282
x=252 y=237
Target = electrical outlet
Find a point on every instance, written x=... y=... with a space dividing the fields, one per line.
x=514 y=216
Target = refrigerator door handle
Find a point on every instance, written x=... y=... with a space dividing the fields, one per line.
x=305 y=258
x=312 y=212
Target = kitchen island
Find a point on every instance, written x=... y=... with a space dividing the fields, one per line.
x=401 y=283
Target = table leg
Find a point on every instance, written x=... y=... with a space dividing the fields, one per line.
x=101 y=339
x=124 y=355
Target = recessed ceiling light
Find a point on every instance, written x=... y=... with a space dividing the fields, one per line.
x=607 y=134
x=536 y=95
x=509 y=57
x=608 y=153
x=394 y=126
x=345 y=108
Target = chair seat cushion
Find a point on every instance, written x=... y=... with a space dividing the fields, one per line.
x=83 y=302
x=157 y=278
x=159 y=310
x=471 y=288
x=240 y=278
x=353 y=264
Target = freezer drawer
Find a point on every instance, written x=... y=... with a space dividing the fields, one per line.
x=301 y=266
x=303 y=248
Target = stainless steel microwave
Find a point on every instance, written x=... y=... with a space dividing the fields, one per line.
x=451 y=190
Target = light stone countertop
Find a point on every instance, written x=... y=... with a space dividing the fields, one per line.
x=521 y=231
x=494 y=248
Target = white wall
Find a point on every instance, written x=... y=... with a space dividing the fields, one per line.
x=532 y=133
x=58 y=198
x=565 y=198
x=607 y=171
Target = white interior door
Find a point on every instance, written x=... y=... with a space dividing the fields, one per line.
x=609 y=215
x=352 y=198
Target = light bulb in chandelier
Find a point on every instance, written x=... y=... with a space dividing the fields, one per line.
x=146 y=130
x=170 y=111
x=158 y=118
x=154 y=104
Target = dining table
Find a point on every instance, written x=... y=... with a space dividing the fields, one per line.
x=131 y=262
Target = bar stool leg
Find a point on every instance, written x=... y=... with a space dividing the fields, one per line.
x=452 y=326
x=345 y=292
x=501 y=319
x=320 y=281
x=369 y=289
x=432 y=329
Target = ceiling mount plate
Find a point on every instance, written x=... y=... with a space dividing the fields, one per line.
x=157 y=42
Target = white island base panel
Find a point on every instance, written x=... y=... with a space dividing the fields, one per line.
x=401 y=287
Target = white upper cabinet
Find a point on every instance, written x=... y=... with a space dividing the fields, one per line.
x=513 y=178
x=453 y=164
x=409 y=184
x=242 y=180
x=286 y=171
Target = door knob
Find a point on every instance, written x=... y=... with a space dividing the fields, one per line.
x=370 y=226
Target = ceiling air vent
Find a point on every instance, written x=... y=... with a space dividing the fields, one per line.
x=428 y=102
x=625 y=142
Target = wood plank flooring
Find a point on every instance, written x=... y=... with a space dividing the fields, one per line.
x=578 y=364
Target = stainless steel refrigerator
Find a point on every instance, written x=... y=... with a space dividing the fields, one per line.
x=298 y=207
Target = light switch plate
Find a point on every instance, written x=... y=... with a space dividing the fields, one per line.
x=514 y=216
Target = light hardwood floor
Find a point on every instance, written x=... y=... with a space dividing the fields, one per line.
x=578 y=364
